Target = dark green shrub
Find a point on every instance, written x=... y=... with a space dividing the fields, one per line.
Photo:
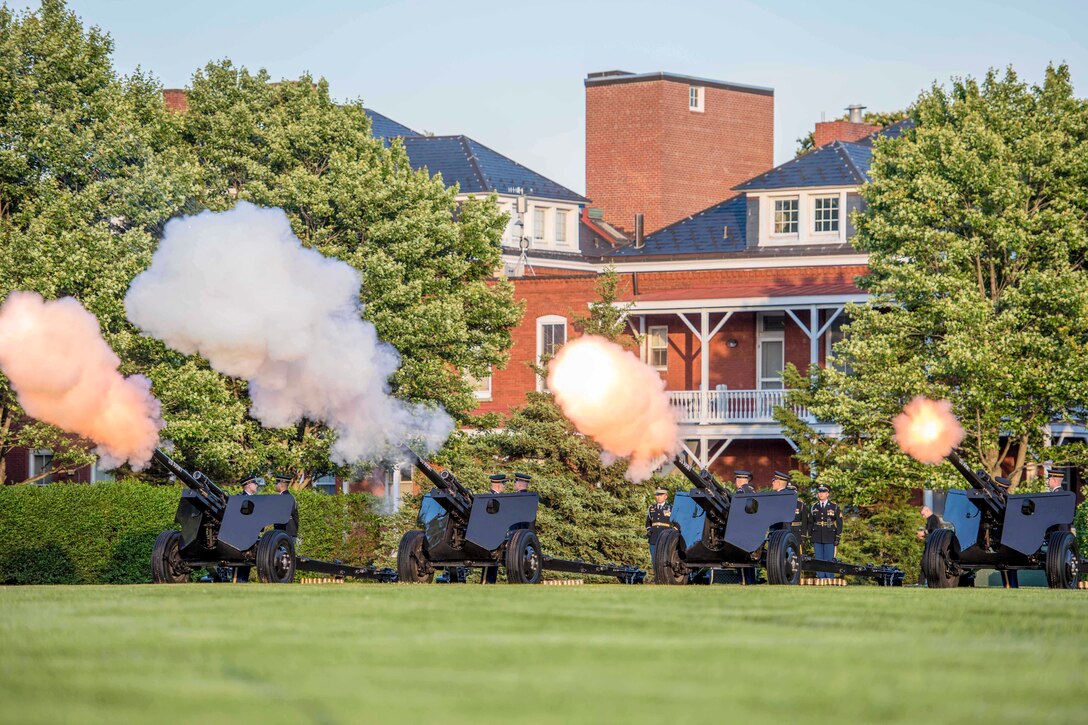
x=103 y=534
x=884 y=537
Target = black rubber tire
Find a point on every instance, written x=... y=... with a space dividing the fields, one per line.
x=668 y=564
x=524 y=561
x=276 y=558
x=166 y=564
x=937 y=558
x=413 y=566
x=783 y=558
x=1062 y=560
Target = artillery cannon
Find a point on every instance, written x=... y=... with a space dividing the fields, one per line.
x=987 y=527
x=712 y=527
x=459 y=529
x=218 y=530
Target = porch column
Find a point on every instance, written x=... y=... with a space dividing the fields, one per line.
x=704 y=364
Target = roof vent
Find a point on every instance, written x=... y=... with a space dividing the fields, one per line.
x=855 y=113
x=640 y=241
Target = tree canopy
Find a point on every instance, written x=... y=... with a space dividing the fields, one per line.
x=976 y=223
x=92 y=165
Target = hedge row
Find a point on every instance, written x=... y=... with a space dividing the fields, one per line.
x=103 y=534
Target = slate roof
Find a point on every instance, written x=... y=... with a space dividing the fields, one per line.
x=386 y=128
x=835 y=164
x=701 y=233
x=480 y=170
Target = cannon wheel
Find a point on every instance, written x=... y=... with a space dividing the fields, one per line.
x=937 y=560
x=523 y=560
x=412 y=564
x=166 y=564
x=668 y=566
x=783 y=558
x=1062 y=562
x=275 y=558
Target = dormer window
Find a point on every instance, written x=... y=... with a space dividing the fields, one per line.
x=825 y=214
x=785 y=215
x=695 y=98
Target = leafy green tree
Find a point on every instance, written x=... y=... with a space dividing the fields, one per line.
x=976 y=226
x=427 y=259
x=89 y=170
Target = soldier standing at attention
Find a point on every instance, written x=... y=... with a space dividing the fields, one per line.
x=781 y=482
x=825 y=527
x=658 y=517
x=521 y=482
x=743 y=481
x=282 y=484
x=1055 y=477
x=932 y=523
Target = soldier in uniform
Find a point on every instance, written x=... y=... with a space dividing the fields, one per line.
x=781 y=482
x=490 y=574
x=521 y=482
x=932 y=523
x=1055 y=478
x=825 y=527
x=743 y=481
x=283 y=484
x=658 y=517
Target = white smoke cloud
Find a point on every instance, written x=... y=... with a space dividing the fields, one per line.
x=65 y=374
x=239 y=288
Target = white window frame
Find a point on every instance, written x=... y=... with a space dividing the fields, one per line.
x=481 y=395
x=561 y=217
x=775 y=234
x=832 y=233
x=696 y=98
x=806 y=213
x=769 y=336
x=540 y=235
x=541 y=384
x=650 y=347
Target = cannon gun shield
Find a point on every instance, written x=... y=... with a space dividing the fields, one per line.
x=753 y=514
x=247 y=516
x=494 y=515
x=1028 y=517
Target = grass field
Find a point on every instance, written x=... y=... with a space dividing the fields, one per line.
x=437 y=654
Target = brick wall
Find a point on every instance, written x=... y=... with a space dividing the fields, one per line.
x=176 y=99
x=828 y=131
x=646 y=152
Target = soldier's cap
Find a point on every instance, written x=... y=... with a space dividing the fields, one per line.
x=497 y=478
x=251 y=478
x=1003 y=482
x=823 y=487
x=283 y=479
x=779 y=476
x=523 y=477
x=1055 y=473
x=661 y=491
x=742 y=474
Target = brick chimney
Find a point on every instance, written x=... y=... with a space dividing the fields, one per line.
x=852 y=129
x=176 y=99
x=666 y=145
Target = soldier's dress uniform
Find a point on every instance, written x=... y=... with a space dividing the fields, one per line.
x=799 y=525
x=747 y=575
x=241 y=573
x=521 y=482
x=658 y=518
x=490 y=574
x=825 y=529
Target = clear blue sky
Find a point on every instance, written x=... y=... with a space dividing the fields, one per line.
x=510 y=74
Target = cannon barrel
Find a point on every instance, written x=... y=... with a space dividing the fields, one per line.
x=704 y=481
x=995 y=497
x=212 y=498
x=445 y=482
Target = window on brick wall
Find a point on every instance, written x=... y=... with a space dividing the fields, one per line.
x=695 y=98
x=658 y=340
x=825 y=214
x=785 y=215
x=551 y=334
x=540 y=218
x=481 y=387
x=561 y=226
x=771 y=350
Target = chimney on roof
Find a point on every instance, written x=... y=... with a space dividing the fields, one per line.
x=640 y=241
x=852 y=129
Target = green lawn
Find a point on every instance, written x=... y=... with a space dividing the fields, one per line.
x=436 y=654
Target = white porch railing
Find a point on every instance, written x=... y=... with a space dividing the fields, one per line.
x=730 y=406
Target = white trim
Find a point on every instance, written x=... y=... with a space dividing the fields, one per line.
x=540 y=322
x=763 y=336
x=650 y=347
x=722 y=304
x=694 y=265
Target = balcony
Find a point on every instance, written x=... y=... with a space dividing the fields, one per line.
x=730 y=406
